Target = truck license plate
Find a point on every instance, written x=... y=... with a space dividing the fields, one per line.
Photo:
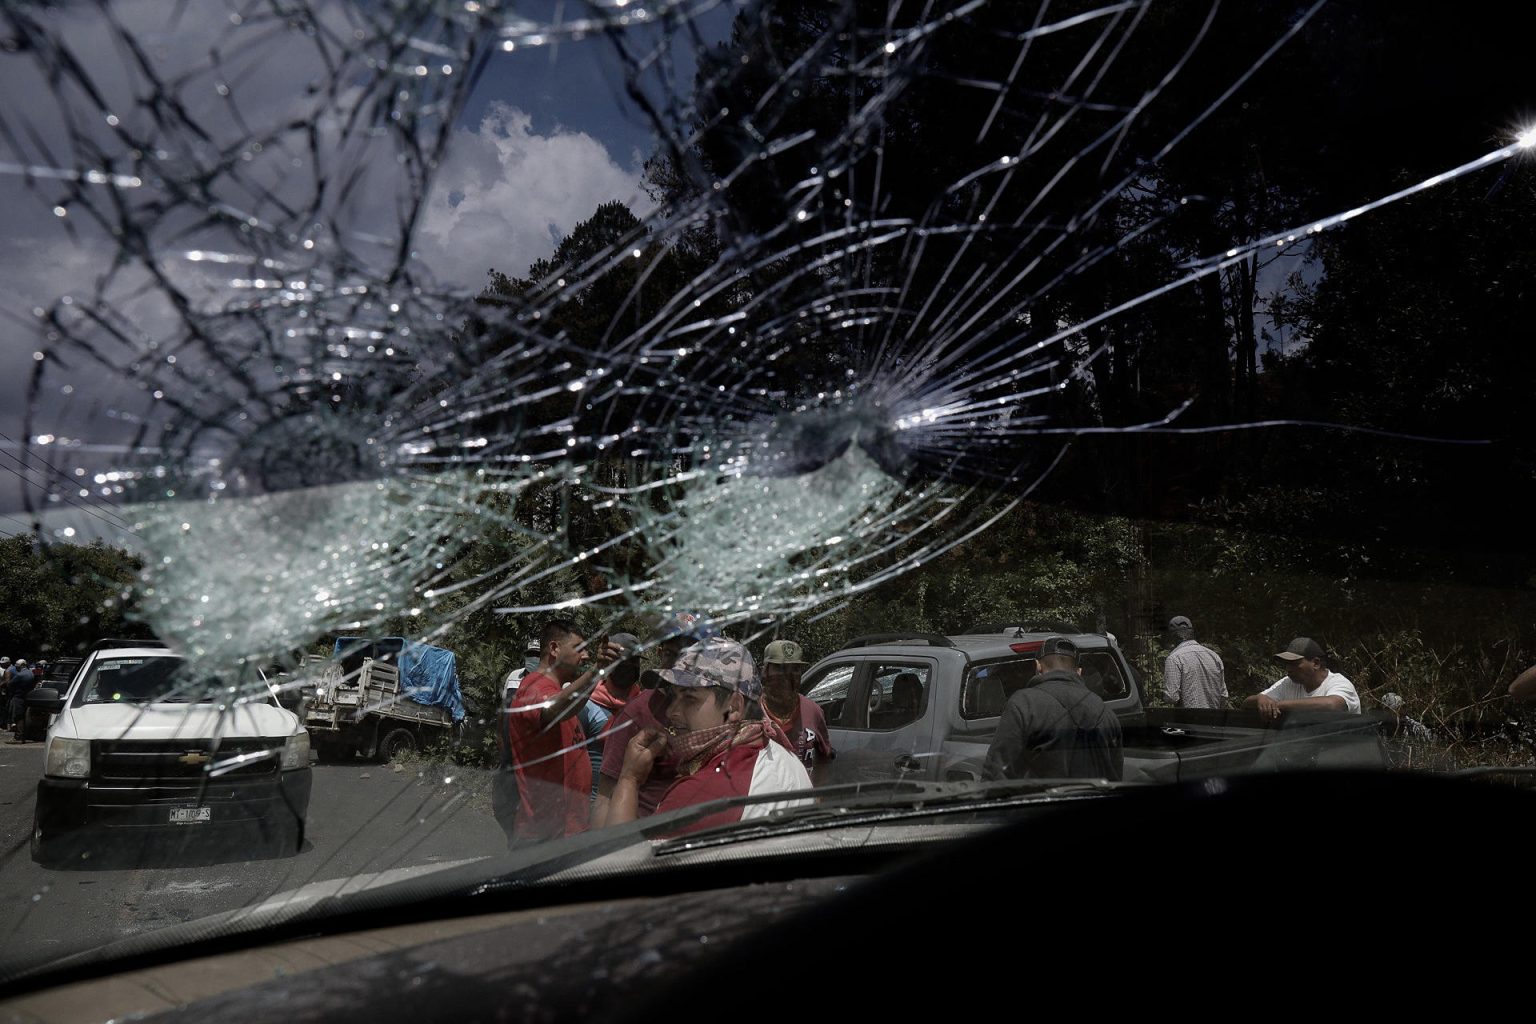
x=190 y=815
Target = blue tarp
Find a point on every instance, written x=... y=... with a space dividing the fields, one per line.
x=428 y=675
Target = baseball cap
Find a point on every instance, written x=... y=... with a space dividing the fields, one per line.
x=1180 y=622
x=784 y=652
x=1302 y=647
x=715 y=662
x=628 y=641
x=533 y=647
x=1058 y=645
x=5 y=661
x=21 y=662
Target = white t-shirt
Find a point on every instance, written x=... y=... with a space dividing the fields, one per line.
x=776 y=771
x=1333 y=686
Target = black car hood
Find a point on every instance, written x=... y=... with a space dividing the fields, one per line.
x=1083 y=899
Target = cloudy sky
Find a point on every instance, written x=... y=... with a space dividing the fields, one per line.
x=547 y=134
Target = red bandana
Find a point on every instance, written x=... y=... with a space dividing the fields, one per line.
x=693 y=748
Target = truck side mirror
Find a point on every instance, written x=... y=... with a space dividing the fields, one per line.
x=45 y=698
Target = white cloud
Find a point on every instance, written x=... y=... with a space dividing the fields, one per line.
x=504 y=191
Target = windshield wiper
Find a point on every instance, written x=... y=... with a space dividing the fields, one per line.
x=874 y=803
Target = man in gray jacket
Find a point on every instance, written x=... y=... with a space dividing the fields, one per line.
x=1054 y=727
x=1193 y=675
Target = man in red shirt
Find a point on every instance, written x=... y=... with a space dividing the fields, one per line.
x=717 y=737
x=623 y=679
x=645 y=709
x=545 y=742
x=798 y=716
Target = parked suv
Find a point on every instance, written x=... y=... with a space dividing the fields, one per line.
x=137 y=747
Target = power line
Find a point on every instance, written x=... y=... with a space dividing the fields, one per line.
x=25 y=526
x=121 y=524
x=62 y=474
x=120 y=527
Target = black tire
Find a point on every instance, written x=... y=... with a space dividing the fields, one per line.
x=329 y=753
x=396 y=742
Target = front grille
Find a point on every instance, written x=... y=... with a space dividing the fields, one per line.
x=150 y=762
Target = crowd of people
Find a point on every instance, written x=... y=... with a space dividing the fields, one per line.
x=17 y=679
x=590 y=738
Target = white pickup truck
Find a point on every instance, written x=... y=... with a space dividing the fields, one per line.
x=135 y=747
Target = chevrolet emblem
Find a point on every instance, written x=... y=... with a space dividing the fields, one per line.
x=194 y=757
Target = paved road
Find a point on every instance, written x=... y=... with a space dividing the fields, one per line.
x=362 y=818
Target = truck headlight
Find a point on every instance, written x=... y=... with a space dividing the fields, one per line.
x=296 y=752
x=68 y=758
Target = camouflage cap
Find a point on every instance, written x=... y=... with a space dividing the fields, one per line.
x=716 y=662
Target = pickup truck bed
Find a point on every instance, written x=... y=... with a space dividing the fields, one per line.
x=1173 y=745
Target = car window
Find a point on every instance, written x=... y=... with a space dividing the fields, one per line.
x=987 y=686
x=829 y=690
x=1101 y=674
x=897 y=696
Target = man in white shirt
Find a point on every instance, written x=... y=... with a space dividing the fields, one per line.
x=1307 y=686
x=532 y=652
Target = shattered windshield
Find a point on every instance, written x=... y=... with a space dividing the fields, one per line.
x=583 y=412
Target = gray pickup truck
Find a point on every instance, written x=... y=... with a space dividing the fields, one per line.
x=923 y=706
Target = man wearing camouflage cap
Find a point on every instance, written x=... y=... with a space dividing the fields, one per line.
x=645 y=708
x=801 y=719
x=718 y=738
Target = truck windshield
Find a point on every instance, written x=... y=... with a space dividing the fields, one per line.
x=136 y=681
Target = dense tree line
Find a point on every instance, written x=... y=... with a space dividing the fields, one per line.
x=61 y=598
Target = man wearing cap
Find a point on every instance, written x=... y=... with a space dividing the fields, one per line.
x=621 y=683
x=1193 y=675
x=800 y=718
x=532 y=652
x=23 y=680
x=608 y=699
x=1405 y=725
x=718 y=738
x=1308 y=684
x=1054 y=727
x=646 y=708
